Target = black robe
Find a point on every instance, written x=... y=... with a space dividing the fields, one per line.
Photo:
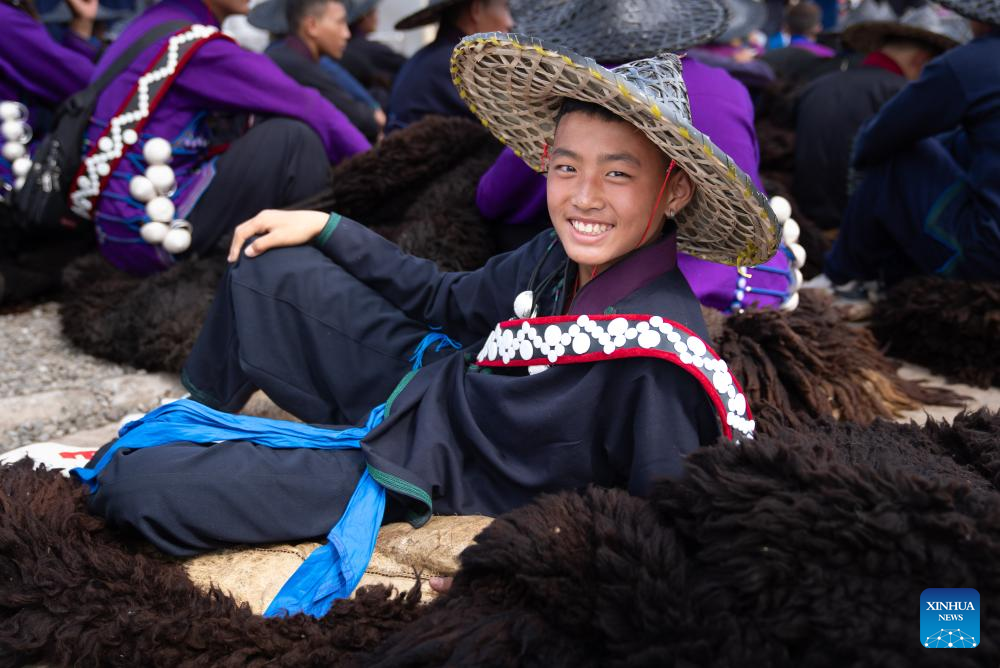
x=830 y=112
x=327 y=331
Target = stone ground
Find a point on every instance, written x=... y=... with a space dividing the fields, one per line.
x=50 y=391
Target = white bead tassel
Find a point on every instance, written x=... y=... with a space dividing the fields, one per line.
x=16 y=134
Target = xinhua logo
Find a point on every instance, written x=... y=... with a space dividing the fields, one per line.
x=949 y=618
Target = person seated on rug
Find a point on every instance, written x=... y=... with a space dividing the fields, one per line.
x=423 y=85
x=372 y=63
x=217 y=147
x=832 y=108
x=603 y=378
x=318 y=28
x=512 y=194
x=928 y=201
x=797 y=56
x=37 y=74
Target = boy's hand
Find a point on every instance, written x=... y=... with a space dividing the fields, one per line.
x=276 y=229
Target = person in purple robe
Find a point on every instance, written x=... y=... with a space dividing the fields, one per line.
x=37 y=73
x=242 y=135
x=513 y=195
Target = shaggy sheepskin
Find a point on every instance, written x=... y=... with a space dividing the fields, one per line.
x=150 y=323
x=413 y=188
x=951 y=327
x=803 y=548
x=809 y=363
x=418 y=188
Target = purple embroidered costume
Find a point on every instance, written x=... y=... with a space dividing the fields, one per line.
x=37 y=71
x=221 y=82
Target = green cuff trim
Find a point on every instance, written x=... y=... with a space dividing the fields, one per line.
x=399 y=388
x=196 y=394
x=327 y=230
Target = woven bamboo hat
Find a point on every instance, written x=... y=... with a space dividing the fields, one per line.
x=935 y=27
x=745 y=16
x=984 y=11
x=516 y=86
x=429 y=14
x=615 y=31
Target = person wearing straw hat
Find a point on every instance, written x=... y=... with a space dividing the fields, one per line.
x=832 y=108
x=735 y=50
x=513 y=196
x=578 y=359
x=929 y=194
x=423 y=85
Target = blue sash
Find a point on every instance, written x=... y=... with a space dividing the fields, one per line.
x=333 y=570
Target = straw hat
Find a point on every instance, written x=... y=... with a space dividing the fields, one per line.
x=615 y=31
x=429 y=14
x=984 y=11
x=745 y=16
x=937 y=28
x=516 y=86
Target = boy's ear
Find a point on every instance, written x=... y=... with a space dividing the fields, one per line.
x=681 y=190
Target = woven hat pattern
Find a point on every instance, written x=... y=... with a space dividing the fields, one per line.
x=615 y=31
x=934 y=26
x=984 y=11
x=516 y=86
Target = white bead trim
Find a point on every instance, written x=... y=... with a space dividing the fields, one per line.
x=559 y=340
x=99 y=164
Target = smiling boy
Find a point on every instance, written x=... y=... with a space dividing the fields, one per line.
x=583 y=357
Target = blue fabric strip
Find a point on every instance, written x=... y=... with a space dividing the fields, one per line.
x=333 y=570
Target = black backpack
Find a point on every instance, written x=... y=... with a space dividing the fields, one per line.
x=42 y=200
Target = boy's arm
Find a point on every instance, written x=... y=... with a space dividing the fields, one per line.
x=466 y=304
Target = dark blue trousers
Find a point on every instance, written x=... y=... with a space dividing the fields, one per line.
x=913 y=215
x=324 y=347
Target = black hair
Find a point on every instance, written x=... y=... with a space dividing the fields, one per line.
x=803 y=18
x=592 y=109
x=297 y=10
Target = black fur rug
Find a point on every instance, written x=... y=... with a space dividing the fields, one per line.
x=799 y=549
x=809 y=363
x=951 y=327
x=417 y=188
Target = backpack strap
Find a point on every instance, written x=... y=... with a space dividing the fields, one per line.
x=574 y=339
x=124 y=128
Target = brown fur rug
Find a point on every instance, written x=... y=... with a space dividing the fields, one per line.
x=951 y=327
x=810 y=363
x=800 y=549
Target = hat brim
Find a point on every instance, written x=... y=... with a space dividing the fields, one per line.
x=622 y=31
x=869 y=36
x=426 y=16
x=984 y=13
x=516 y=86
x=270 y=16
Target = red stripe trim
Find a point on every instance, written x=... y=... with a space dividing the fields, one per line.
x=163 y=87
x=625 y=353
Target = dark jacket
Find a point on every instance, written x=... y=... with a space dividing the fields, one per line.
x=474 y=440
x=294 y=59
x=372 y=63
x=830 y=111
x=424 y=85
